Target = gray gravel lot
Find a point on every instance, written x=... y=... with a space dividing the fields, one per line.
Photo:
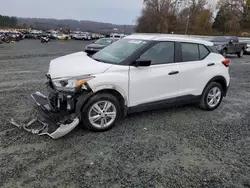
x=174 y=147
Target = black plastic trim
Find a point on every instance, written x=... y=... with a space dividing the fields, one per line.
x=80 y=102
x=187 y=99
x=210 y=64
x=173 y=73
x=178 y=53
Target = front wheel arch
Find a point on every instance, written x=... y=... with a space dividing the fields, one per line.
x=83 y=99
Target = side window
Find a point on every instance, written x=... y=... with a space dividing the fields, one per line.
x=190 y=52
x=203 y=51
x=213 y=49
x=160 y=53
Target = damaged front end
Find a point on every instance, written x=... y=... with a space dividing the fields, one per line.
x=59 y=113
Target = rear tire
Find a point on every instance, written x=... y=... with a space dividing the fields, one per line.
x=241 y=53
x=212 y=96
x=101 y=112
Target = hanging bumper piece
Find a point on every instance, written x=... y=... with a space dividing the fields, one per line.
x=49 y=122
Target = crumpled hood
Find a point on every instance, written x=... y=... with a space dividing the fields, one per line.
x=76 y=64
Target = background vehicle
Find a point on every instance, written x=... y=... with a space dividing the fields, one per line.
x=80 y=37
x=44 y=39
x=137 y=73
x=99 y=44
x=63 y=37
x=247 y=50
x=229 y=45
x=116 y=35
x=13 y=36
x=5 y=38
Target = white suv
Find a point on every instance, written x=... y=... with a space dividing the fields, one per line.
x=137 y=73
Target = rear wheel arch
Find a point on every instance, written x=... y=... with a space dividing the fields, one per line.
x=218 y=79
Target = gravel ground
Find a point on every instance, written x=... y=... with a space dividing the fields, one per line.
x=174 y=147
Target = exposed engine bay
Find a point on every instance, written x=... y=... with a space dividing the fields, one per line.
x=58 y=114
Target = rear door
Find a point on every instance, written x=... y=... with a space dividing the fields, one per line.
x=196 y=69
x=158 y=82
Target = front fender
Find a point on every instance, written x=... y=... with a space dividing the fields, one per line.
x=82 y=99
x=111 y=87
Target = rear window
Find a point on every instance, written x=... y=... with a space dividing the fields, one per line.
x=213 y=49
x=190 y=52
x=203 y=51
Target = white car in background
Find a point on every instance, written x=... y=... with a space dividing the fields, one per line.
x=137 y=73
x=115 y=35
x=80 y=37
x=247 y=50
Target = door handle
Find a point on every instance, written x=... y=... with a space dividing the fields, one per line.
x=210 y=64
x=173 y=73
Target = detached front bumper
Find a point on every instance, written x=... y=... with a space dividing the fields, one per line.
x=55 y=124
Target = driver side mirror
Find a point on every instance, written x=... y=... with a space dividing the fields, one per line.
x=231 y=42
x=142 y=63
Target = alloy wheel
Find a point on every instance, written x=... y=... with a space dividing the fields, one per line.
x=102 y=114
x=214 y=97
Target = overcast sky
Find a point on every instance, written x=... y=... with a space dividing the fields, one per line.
x=112 y=11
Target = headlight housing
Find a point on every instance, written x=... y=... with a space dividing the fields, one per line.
x=71 y=84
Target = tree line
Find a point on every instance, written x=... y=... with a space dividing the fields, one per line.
x=195 y=17
x=6 y=21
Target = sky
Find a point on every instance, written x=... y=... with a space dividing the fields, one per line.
x=110 y=11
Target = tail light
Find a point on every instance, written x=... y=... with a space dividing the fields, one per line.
x=226 y=62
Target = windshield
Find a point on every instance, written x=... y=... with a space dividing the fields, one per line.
x=119 y=51
x=103 y=41
x=221 y=39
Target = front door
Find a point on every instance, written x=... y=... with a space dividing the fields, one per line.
x=158 y=82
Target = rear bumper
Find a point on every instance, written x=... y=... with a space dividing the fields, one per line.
x=49 y=122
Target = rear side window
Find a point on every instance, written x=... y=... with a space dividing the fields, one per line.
x=203 y=51
x=190 y=52
x=213 y=49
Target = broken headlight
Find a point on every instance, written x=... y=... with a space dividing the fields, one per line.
x=70 y=84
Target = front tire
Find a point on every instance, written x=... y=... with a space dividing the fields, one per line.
x=101 y=112
x=212 y=97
